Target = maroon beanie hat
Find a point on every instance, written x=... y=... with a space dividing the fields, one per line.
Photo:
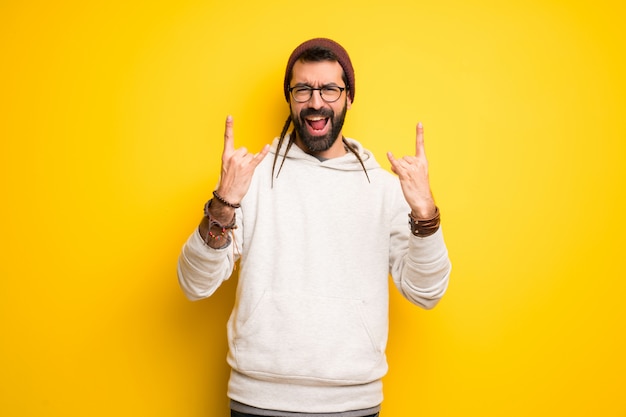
x=338 y=50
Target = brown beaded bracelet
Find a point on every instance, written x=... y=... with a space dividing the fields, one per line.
x=425 y=227
x=224 y=202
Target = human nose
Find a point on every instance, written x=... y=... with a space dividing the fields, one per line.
x=316 y=101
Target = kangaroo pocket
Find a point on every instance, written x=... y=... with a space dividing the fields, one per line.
x=308 y=338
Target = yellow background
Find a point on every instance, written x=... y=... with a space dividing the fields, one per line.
x=111 y=120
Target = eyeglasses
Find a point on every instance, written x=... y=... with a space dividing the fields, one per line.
x=328 y=93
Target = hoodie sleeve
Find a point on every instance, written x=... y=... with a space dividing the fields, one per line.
x=201 y=269
x=420 y=267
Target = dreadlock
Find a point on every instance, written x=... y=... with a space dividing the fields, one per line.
x=279 y=146
x=356 y=153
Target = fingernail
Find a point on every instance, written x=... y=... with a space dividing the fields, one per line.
x=229 y=118
x=419 y=124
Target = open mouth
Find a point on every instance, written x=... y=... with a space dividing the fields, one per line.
x=317 y=124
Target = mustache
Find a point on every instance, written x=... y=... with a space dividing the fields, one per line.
x=319 y=112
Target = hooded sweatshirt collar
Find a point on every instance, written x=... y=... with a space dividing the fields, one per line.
x=347 y=162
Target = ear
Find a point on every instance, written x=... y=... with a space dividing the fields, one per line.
x=348 y=103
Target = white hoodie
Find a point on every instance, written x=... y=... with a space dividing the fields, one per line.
x=309 y=328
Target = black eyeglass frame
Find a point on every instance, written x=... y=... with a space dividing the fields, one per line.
x=311 y=90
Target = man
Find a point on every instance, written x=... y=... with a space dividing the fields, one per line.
x=318 y=227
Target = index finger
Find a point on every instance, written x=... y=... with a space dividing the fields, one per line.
x=229 y=141
x=419 y=140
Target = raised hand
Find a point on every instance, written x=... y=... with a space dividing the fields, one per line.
x=413 y=174
x=237 y=167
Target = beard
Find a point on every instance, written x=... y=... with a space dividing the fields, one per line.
x=315 y=143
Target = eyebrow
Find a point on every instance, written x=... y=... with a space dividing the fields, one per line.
x=310 y=86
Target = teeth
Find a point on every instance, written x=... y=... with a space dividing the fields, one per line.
x=315 y=119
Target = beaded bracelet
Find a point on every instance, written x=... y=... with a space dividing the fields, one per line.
x=224 y=202
x=213 y=236
x=426 y=227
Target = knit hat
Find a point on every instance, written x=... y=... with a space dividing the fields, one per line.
x=338 y=50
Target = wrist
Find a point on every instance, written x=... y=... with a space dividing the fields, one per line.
x=224 y=201
x=422 y=227
x=222 y=213
x=214 y=232
x=425 y=211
